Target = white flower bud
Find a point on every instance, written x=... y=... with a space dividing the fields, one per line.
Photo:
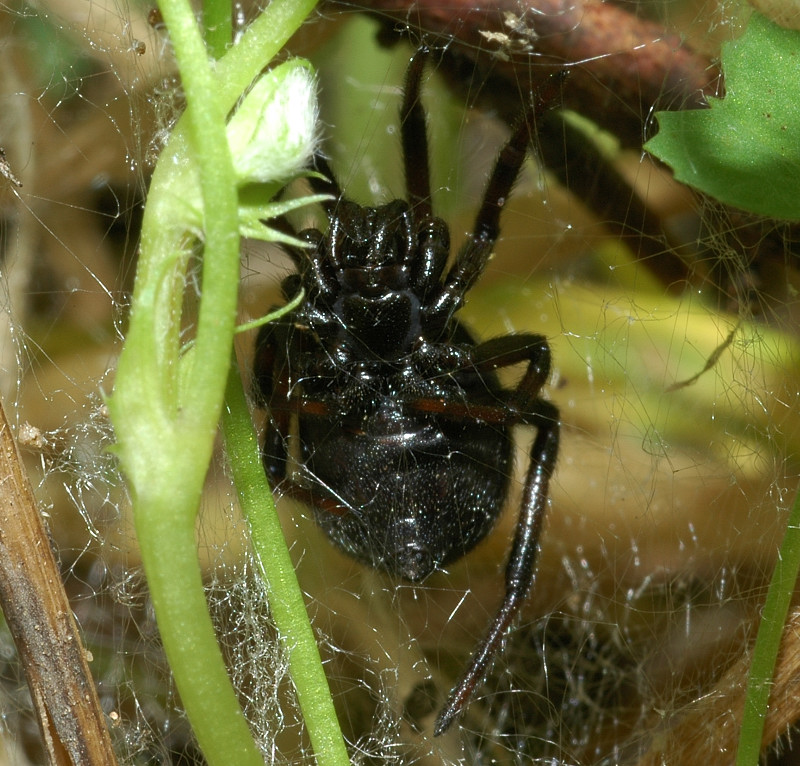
x=272 y=133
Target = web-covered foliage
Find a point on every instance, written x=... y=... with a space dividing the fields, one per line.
x=679 y=404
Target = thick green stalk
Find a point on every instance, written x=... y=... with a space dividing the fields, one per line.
x=168 y=548
x=167 y=479
x=167 y=403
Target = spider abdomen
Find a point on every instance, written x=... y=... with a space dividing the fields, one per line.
x=409 y=496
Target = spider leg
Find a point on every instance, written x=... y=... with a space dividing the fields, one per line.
x=472 y=259
x=274 y=453
x=508 y=350
x=489 y=356
x=474 y=255
x=270 y=386
x=506 y=170
x=415 y=140
x=523 y=406
x=271 y=391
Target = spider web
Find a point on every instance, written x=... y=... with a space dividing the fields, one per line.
x=673 y=480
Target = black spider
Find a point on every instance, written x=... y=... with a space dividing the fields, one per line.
x=405 y=444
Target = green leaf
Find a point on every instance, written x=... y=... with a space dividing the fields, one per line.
x=745 y=149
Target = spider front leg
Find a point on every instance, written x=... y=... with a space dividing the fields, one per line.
x=270 y=387
x=523 y=406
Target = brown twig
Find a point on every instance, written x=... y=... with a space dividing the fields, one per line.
x=41 y=621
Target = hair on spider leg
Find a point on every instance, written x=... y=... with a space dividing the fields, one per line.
x=404 y=431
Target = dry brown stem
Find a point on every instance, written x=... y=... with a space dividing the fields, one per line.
x=39 y=616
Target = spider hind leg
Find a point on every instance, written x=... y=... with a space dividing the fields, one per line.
x=524 y=407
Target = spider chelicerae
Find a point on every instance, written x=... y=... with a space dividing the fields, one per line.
x=405 y=433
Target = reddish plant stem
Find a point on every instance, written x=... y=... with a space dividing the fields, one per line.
x=622 y=66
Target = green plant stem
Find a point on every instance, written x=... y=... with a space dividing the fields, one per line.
x=166 y=406
x=260 y=43
x=168 y=548
x=284 y=594
x=218 y=26
x=220 y=282
x=166 y=500
x=768 y=639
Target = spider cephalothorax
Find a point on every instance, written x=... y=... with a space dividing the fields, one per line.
x=405 y=443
